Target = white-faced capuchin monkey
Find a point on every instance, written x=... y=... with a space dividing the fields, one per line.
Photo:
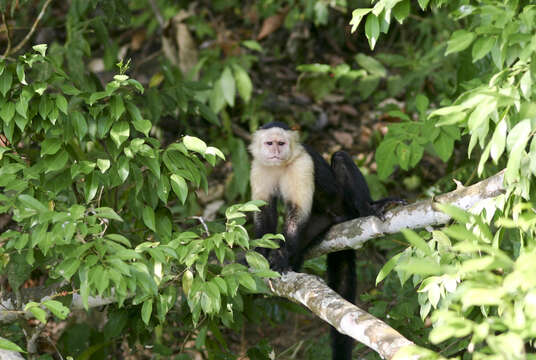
x=316 y=196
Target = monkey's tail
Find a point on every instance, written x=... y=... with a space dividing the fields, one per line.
x=342 y=279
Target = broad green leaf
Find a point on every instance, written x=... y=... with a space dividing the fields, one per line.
x=256 y=260
x=498 y=140
x=57 y=308
x=61 y=103
x=10 y=346
x=373 y=66
x=117 y=107
x=107 y=212
x=40 y=48
x=460 y=40
x=143 y=126
x=401 y=10
x=179 y=186
x=119 y=238
x=481 y=47
x=357 y=16
x=5 y=82
x=194 y=144
x=372 y=30
x=32 y=203
x=120 y=132
x=79 y=124
x=39 y=314
x=252 y=45
x=68 y=267
x=50 y=146
x=228 y=86
x=385 y=159
x=243 y=83
x=387 y=268
x=20 y=74
x=148 y=218
x=103 y=165
x=56 y=162
x=516 y=142
x=146 y=310
x=7 y=111
x=123 y=168
x=416 y=241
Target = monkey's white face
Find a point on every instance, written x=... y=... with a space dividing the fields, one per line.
x=273 y=146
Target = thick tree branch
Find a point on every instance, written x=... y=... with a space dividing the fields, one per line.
x=354 y=233
x=345 y=317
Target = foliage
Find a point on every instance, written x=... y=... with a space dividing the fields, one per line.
x=475 y=273
x=99 y=204
x=103 y=175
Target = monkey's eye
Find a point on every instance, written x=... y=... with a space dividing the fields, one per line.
x=269 y=143
x=281 y=143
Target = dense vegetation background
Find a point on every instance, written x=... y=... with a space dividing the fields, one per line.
x=124 y=172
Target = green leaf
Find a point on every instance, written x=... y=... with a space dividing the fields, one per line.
x=194 y=144
x=179 y=186
x=228 y=86
x=67 y=268
x=39 y=314
x=32 y=203
x=123 y=168
x=40 y=48
x=482 y=46
x=148 y=218
x=498 y=140
x=20 y=74
x=373 y=66
x=357 y=16
x=416 y=241
x=120 y=132
x=56 y=162
x=57 y=308
x=107 y=213
x=119 y=238
x=384 y=157
x=516 y=142
x=257 y=261
x=372 y=30
x=103 y=165
x=7 y=111
x=421 y=102
x=401 y=10
x=252 y=45
x=61 y=103
x=460 y=40
x=5 y=82
x=50 y=146
x=79 y=124
x=387 y=268
x=117 y=107
x=243 y=83
x=10 y=346
x=143 y=126
x=146 y=310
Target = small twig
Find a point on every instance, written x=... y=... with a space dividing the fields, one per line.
x=157 y=13
x=31 y=345
x=202 y=221
x=8 y=49
x=32 y=30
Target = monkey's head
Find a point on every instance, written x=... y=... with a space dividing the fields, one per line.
x=274 y=144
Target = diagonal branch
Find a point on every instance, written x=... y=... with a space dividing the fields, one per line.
x=347 y=318
x=354 y=233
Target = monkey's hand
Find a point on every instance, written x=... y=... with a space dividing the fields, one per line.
x=279 y=261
